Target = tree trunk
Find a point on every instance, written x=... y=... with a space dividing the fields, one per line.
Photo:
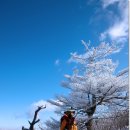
x=89 y=125
x=90 y=113
x=35 y=120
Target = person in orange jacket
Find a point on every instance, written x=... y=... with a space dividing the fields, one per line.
x=68 y=121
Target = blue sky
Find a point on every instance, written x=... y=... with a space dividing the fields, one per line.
x=36 y=39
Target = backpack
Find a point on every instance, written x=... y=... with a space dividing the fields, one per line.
x=68 y=120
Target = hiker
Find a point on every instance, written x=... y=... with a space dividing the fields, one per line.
x=68 y=121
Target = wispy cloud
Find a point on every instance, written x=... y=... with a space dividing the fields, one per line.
x=57 y=62
x=106 y=3
x=4 y=128
x=118 y=31
x=49 y=108
x=44 y=114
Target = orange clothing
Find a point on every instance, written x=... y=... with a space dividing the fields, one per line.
x=63 y=125
x=72 y=127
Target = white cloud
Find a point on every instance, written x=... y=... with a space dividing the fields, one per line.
x=43 y=115
x=33 y=107
x=49 y=106
x=57 y=62
x=21 y=119
x=119 y=30
x=106 y=3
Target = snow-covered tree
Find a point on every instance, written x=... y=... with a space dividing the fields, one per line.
x=52 y=124
x=96 y=88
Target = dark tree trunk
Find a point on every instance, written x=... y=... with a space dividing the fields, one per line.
x=90 y=113
x=35 y=120
x=89 y=125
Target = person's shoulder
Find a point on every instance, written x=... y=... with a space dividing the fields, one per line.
x=64 y=117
